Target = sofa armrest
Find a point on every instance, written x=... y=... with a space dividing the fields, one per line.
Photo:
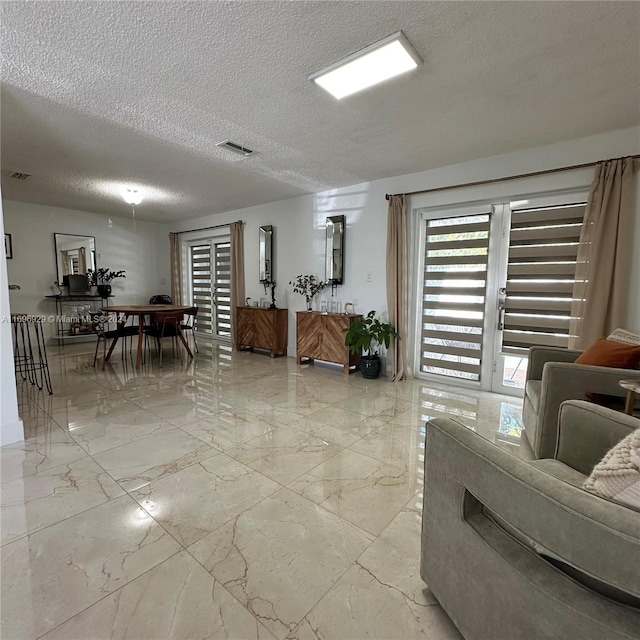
x=539 y=356
x=467 y=480
x=587 y=431
x=544 y=508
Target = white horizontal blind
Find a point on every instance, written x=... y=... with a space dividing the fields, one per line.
x=201 y=286
x=543 y=246
x=455 y=281
x=223 y=288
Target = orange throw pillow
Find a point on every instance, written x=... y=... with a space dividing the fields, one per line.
x=609 y=353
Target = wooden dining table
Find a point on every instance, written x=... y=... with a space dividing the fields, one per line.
x=125 y=311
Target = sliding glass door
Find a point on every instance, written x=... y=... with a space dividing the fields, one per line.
x=496 y=279
x=210 y=285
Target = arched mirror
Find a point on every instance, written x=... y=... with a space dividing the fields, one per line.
x=334 y=271
x=265 y=236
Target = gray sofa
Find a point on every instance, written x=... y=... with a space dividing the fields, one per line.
x=552 y=378
x=516 y=550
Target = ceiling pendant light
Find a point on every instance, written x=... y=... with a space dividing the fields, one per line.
x=376 y=63
x=132 y=197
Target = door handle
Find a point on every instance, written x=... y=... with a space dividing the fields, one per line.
x=502 y=304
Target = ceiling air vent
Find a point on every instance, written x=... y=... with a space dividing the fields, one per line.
x=235 y=148
x=18 y=175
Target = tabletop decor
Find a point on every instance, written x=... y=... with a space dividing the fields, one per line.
x=273 y=295
x=102 y=278
x=307 y=286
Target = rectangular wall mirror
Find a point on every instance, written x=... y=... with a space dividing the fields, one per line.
x=335 y=249
x=266 y=257
x=75 y=255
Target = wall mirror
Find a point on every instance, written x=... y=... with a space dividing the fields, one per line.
x=266 y=257
x=75 y=255
x=334 y=271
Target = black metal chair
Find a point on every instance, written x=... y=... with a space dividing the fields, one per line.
x=190 y=324
x=164 y=324
x=161 y=298
x=100 y=329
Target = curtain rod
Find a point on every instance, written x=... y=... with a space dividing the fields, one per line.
x=215 y=226
x=516 y=177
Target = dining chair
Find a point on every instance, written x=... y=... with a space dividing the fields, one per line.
x=99 y=326
x=190 y=324
x=165 y=324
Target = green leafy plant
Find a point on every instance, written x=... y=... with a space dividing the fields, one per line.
x=103 y=275
x=307 y=286
x=368 y=334
x=112 y=275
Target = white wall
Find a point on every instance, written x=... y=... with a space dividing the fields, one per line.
x=299 y=222
x=140 y=248
x=11 y=429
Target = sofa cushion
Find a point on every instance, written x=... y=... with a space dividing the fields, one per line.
x=533 y=389
x=611 y=353
x=617 y=476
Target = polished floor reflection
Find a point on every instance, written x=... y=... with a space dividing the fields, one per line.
x=232 y=497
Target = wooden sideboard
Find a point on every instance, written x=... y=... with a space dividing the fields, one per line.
x=320 y=336
x=261 y=328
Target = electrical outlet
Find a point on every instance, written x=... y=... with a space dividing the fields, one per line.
x=163 y=281
x=369 y=276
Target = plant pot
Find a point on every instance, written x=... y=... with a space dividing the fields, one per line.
x=370 y=367
x=104 y=290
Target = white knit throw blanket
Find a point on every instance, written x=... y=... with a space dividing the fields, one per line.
x=617 y=475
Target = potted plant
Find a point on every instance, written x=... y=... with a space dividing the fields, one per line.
x=307 y=286
x=367 y=335
x=102 y=278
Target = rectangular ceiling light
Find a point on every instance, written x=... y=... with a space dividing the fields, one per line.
x=376 y=63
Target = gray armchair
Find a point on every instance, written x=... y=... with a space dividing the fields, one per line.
x=514 y=549
x=552 y=378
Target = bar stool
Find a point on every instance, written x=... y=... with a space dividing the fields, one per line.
x=29 y=350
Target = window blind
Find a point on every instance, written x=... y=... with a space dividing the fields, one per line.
x=455 y=281
x=223 y=288
x=543 y=246
x=201 y=286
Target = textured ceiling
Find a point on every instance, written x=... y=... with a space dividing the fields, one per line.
x=97 y=95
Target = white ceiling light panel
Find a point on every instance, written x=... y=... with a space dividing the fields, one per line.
x=378 y=62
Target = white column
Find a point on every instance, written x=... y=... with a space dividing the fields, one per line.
x=11 y=429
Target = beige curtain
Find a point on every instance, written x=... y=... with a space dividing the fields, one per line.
x=176 y=267
x=237 y=272
x=82 y=261
x=602 y=284
x=397 y=290
x=66 y=263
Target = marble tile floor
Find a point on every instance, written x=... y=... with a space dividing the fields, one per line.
x=232 y=497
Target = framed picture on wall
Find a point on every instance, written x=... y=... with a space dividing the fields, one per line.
x=8 y=246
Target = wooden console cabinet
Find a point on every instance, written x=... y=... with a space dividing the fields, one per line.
x=261 y=328
x=320 y=336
